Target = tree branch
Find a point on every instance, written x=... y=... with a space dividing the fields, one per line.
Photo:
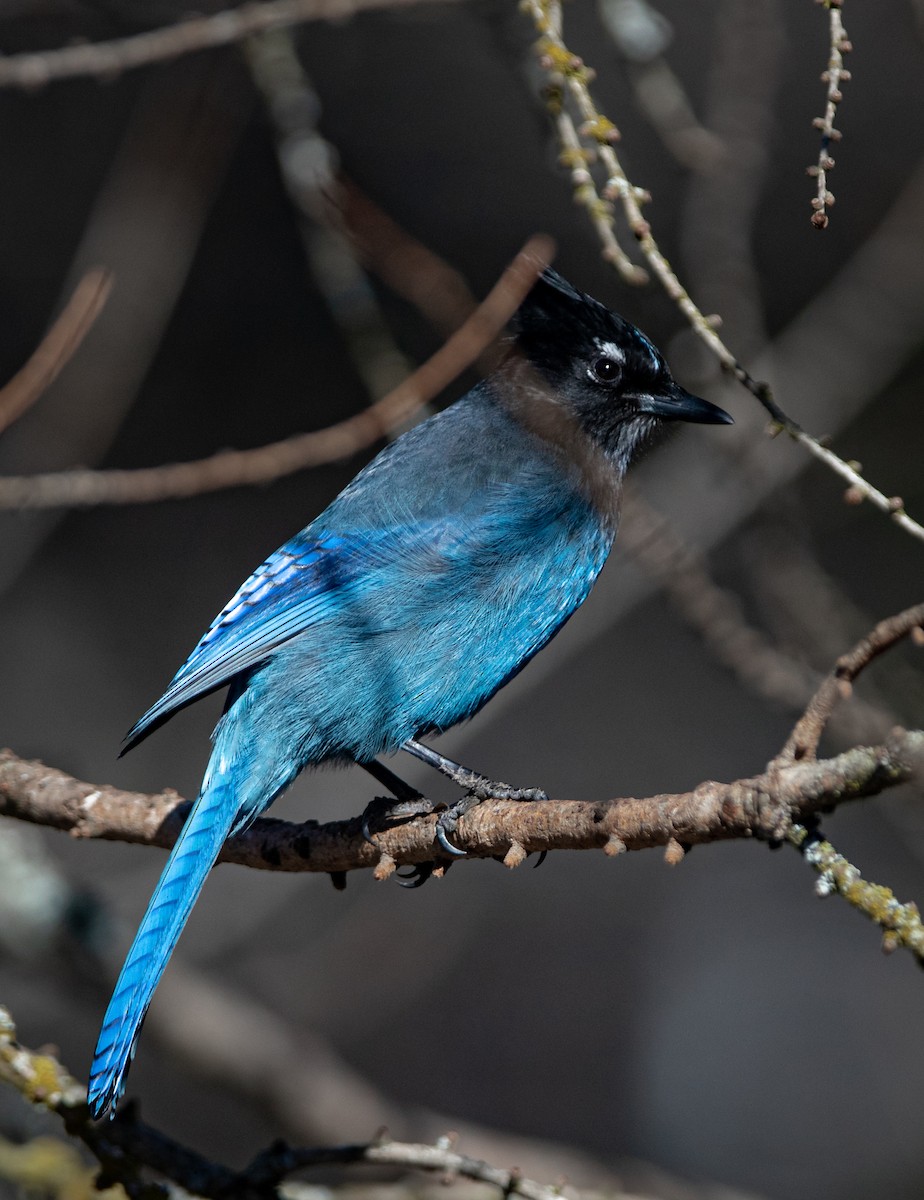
x=775 y=805
x=265 y=463
x=125 y=1146
x=569 y=77
x=791 y=791
x=57 y=347
x=803 y=741
x=763 y=806
x=103 y=60
x=834 y=76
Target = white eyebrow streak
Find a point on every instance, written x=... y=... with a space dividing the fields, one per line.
x=611 y=350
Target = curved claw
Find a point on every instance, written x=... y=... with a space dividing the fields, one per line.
x=417 y=876
x=377 y=807
x=381 y=808
x=541 y=859
x=443 y=838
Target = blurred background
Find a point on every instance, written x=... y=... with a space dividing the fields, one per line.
x=707 y=1030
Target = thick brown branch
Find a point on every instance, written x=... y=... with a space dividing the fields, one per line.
x=762 y=806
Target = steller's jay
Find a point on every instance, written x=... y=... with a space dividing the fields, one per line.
x=431 y=580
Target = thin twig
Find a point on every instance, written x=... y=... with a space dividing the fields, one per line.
x=563 y=64
x=266 y=463
x=576 y=158
x=802 y=743
x=901 y=922
x=125 y=1146
x=57 y=347
x=834 y=76
x=103 y=60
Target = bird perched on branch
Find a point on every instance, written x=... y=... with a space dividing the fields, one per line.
x=430 y=581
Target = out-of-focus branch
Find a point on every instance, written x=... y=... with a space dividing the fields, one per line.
x=714 y=612
x=402 y=263
x=570 y=78
x=642 y=35
x=834 y=76
x=144 y=225
x=308 y=165
x=103 y=60
x=57 y=347
x=233 y=468
x=718 y=222
x=126 y=1148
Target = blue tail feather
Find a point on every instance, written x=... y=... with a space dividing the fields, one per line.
x=190 y=861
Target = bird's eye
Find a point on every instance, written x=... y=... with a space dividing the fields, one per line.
x=604 y=369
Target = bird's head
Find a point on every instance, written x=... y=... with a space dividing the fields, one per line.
x=601 y=369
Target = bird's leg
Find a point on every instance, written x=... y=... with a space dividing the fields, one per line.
x=410 y=802
x=478 y=788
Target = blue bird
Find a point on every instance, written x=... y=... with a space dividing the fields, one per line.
x=431 y=580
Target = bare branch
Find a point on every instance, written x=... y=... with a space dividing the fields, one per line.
x=834 y=76
x=124 y=1147
x=404 y=264
x=803 y=741
x=774 y=805
x=237 y=467
x=794 y=787
x=570 y=76
x=57 y=347
x=103 y=60
x=761 y=806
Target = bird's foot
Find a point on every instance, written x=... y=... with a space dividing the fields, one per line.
x=417 y=876
x=481 y=789
x=383 y=810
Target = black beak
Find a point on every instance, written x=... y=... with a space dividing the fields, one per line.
x=676 y=404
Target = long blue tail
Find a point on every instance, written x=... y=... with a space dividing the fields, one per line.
x=190 y=861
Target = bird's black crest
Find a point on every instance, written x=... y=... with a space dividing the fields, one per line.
x=557 y=323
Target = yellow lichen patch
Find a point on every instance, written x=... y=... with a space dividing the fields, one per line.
x=46 y=1081
x=901 y=922
x=573 y=157
x=48 y=1167
x=559 y=58
x=601 y=129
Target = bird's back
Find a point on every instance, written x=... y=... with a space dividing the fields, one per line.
x=482 y=544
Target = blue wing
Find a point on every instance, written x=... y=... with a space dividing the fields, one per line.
x=406 y=508
x=301 y=583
